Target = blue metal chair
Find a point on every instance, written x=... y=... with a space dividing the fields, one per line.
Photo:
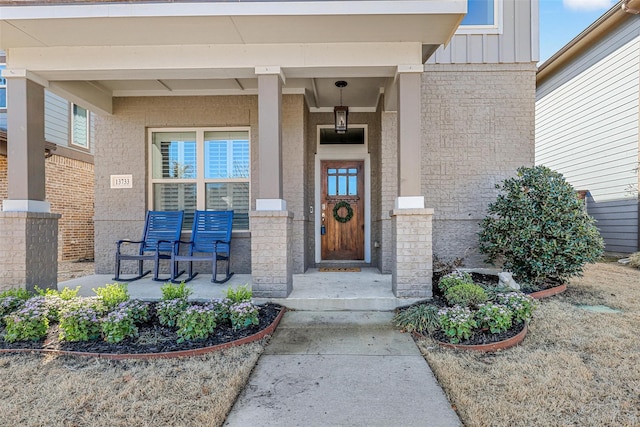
x=210 y=241
x=161 y=229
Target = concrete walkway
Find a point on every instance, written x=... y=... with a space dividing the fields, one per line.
x=341 y=369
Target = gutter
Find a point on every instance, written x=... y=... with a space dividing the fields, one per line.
x=587 y=38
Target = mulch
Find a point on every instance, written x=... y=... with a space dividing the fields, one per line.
x=152 y=338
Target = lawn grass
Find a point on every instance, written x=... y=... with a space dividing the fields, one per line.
x=574 y=368
x=38 y=390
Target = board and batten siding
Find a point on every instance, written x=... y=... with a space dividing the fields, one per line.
x=517 y=42
x=587 y=129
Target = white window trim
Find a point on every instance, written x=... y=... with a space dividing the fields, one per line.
x=72 y=127
x=200 y=180
x=496 y=28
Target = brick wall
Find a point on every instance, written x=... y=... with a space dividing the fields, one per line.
x=478 y=128
x=69 y=189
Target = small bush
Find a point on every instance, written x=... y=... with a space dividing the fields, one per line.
x=240 y=294
x=118 y=325
x=80 y=320
x=10 y=304
x=539 y=228
x=457 y=323
x=21 y=294
x=453 y=279
x=243 y=315
x=112 y=294
x=221 y=307
x=136 y=309
x=169 y=311
x=171 y=291
x=196 y=322
x=634 y=260
x=522 y=306
x=418 y=318
x=466 y=294
x=66 y=294
x=497 y=318
x=28 y=323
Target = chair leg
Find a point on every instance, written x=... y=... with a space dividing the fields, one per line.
x=117 y=277
x=228 y=275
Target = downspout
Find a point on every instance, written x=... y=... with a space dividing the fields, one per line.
x=625 y=7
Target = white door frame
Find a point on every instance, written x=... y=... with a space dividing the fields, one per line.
x=343 y=152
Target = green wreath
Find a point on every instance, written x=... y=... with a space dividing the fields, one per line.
x=347 y=217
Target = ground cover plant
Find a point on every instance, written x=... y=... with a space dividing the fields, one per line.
x=575 y=367
x=112 y=323
x=539 y=230
x=464 y=312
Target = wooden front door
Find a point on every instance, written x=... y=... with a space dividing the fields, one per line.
x=342 y=210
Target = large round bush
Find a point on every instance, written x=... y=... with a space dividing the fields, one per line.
x=539 y=228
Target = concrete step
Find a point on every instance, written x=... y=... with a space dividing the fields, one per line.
x=323 y=303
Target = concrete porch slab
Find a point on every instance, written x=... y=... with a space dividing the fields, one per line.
x=367 y=290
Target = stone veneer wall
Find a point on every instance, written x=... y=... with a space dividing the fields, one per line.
x=122 y=147
x=69 y=189
x=478 y=128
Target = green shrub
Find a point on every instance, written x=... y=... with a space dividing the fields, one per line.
x=457 y=323
x=118 y=325
x=80 y=319
x=466 y=294
x=418 y=318
x=30 y=322
x=497 y=318
x=112 y=294
x=634 y=260
x=66 y=294
x=169 y=310
x=240 y=294
x=221 y=307
x=522 y=306
x=196 y=322
x=453 y=279
x=21 y=294
x=171 y=291
x=243 y=315
x=539 y=228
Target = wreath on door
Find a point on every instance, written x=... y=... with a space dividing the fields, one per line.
x=336 y=210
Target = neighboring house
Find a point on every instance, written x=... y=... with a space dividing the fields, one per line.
x=69 y=170
x=230 y=105
x=587 y=122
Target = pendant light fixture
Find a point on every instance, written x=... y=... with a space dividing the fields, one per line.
x=341 y=113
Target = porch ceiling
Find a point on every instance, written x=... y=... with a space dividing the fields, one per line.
x=91 y=52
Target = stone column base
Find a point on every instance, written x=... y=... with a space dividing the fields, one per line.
x=412 y=265
x=271 y=253
x=28 y=250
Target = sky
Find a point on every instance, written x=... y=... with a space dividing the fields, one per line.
x=562 y=20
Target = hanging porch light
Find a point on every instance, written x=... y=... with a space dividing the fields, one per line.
x=341 y=113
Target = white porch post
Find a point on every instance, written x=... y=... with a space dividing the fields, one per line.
x=411 y=222
x=271 y=224
x=28 y=231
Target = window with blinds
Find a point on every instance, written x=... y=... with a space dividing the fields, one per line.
x=79 y=126
x=201 y=169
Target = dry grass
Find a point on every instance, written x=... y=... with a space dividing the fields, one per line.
x=73 y=391
x=574 y=368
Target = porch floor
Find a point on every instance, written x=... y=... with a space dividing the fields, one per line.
x=318 y=291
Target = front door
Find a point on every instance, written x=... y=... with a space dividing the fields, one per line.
x=342 y=210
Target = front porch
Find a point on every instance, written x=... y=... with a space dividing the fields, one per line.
x=366 y=290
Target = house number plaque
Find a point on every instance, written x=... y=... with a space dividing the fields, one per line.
x=121 y=181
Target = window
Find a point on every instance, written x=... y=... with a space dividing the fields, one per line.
x=3 y=88
x=483 y=16
x=79 y=126
x=206 y=169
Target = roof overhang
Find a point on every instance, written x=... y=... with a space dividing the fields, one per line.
x=595 y=32
x=90 y=52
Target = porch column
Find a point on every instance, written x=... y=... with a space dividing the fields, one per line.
x=271 y=223
x=28 y=230
x=411 y=222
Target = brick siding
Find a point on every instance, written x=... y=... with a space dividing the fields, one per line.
x=69 y=189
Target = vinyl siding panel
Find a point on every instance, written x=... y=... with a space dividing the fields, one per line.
x=587 y=129
x=56 y=119
x=517 y=43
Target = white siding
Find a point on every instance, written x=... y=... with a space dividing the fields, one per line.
x=587 y=129
x=56 y=119
x=517 y=43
